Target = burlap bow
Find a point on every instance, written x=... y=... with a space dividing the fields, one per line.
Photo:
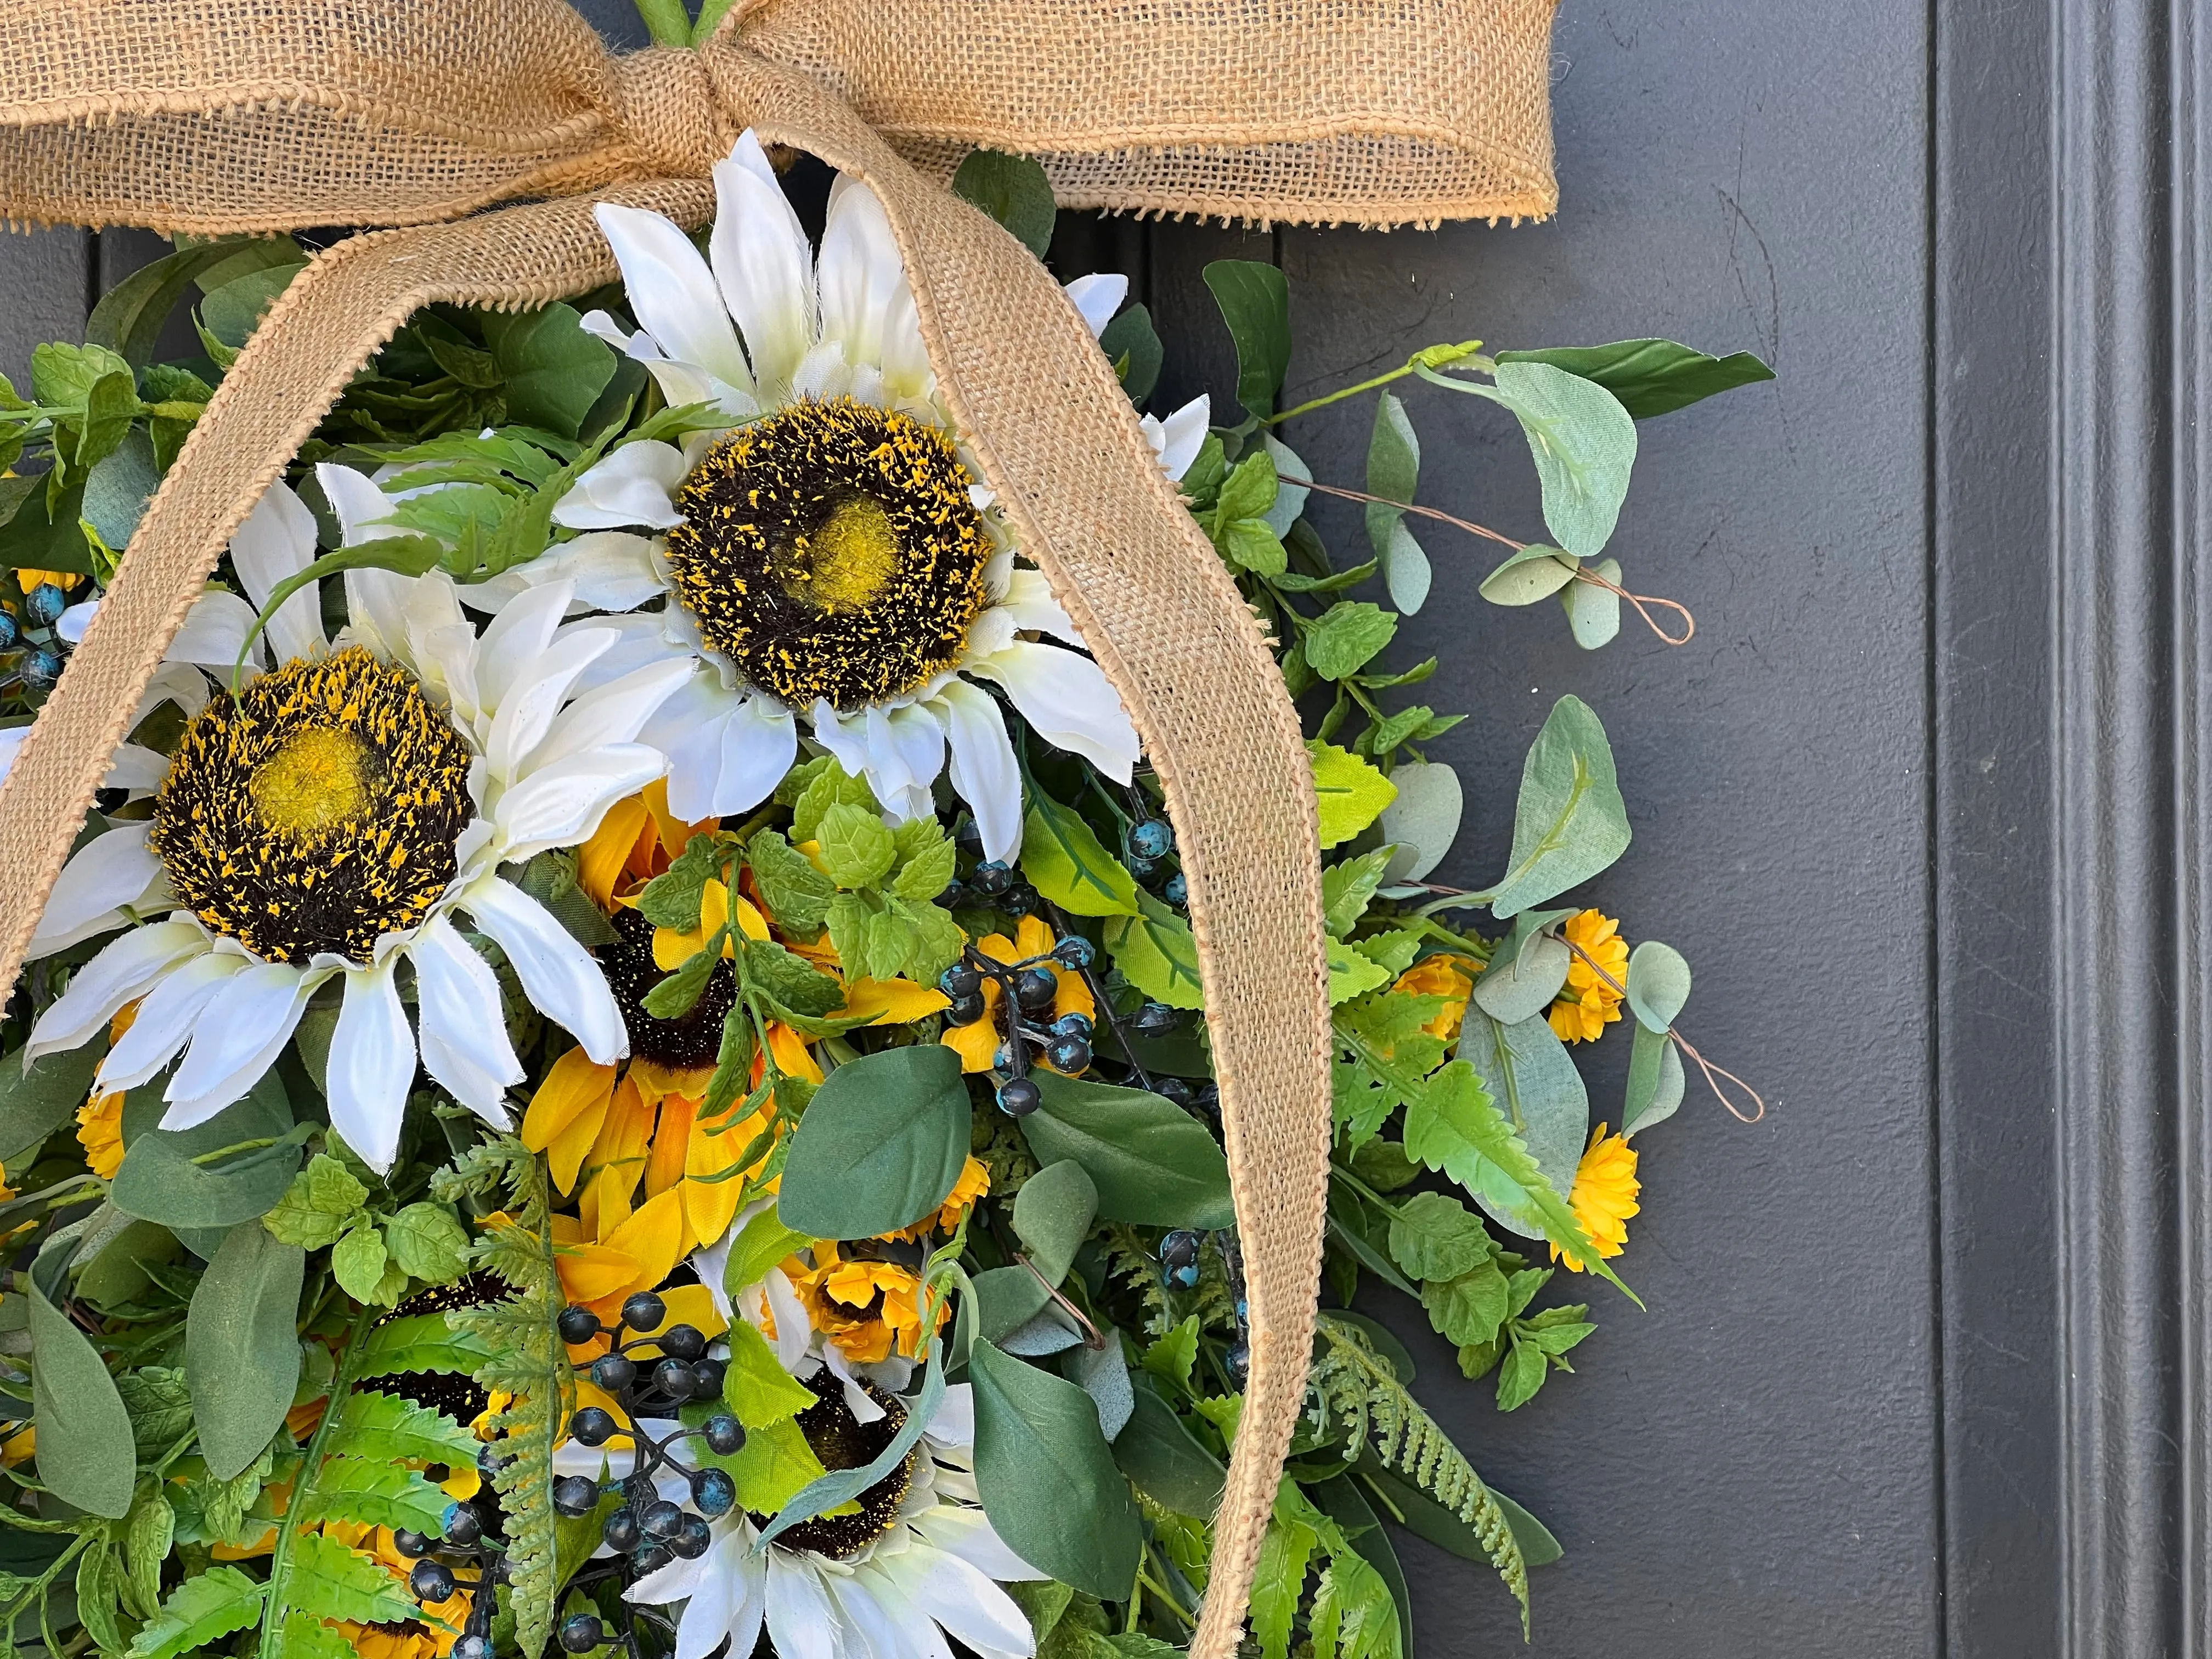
x=215 y=116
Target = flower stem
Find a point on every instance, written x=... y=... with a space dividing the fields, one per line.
x=670 y=25
x=1436 y=356
x=272 y=1618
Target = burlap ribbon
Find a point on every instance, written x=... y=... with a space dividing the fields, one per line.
x=213 y=116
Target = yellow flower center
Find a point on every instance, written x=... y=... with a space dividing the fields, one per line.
x=317 y=781
x=843 y=565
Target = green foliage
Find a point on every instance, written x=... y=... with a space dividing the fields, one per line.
x=1149 y=1161
x=881 y=1146
x=1012 y=189
x=1569 y=821
x=1255 y=303
x=1650 y=377
x=1352 y=1390
x=1067 y=863
x=242 y=1347
x=1047 y=1476
x=199 y=1611
x=1156 y=953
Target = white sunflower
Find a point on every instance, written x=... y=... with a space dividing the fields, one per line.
x=332 y=821
x=830 y=558
x=918 y=1563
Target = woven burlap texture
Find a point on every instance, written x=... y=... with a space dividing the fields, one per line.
x=213 y=116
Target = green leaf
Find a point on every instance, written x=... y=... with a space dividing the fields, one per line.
x=1249 y=490
x=242 y=1347
x=1349 y=792
x=199 y=1612
x=316 y=1208
x=380 y=1493
x=329 y=1581
x=882 y=1143
x=1251 y=545
x=118 y=487
x=1534 y=573
x=1067 y=863
x=149 y=1533
x=927 y=859
x=420 y=1342
x=1520 y=985
x=86 y=1453
x=129 y=316
x=1255 y=302
x=1583 y=441
x=232 y=312
x=303 y=1635
x=34 y=1105
x=1279 y=1580
x=364 y=1269
x=677 y=995
x=1012 y=189
x=857 y=850
x=1521 y=1376
x=553 y=371
x=672 y=898
x=160 y=1403
x=1569 y=821
x=1658 y=984
x=1345 y=637
x=1052 y=1213
x=763 y=1242
x=797 y=894
x=1655 y=1081
x=1593 y=610
x=773 y=1466
x=1527 y=1070
x=1165 y=1460
x=1650 y=377
x=830 y=1490
x=1172 y=1357
x=1047 y=1476
x=1394 y=471
x=793 y=984
x=158 y=1180
x=388 y=1428
x=1423 y=822
x=1347 y=889
x=1156 y=953
x=1434 y=1235
x=1132 y=344
x=828 y=782
x=1468 y=1308
x=426 y=1242
x=1352 y=974
x=1153 y=1163
x=756 y=1386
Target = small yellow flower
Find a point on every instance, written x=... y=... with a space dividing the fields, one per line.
x=868 y=1308
x=100 y=1119
x=977 y=1045
x=1589 y=1004
x=1604 y=1195
x=1447 y=975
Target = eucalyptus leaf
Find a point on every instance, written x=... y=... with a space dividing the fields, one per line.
x=1569 y=821
x=882 y=1143
x=1583 y=441
x=118 y=487
x=1052 y=1213
x=1533 y=1082
x=1290 y=503
x=1255 y=303
x=87 y=1455
x=1047 y=1476
x=1153 y=1163
x=1535 y=572
x=1003 y=1299
x=1044 y=1333
x=1394 y=471
x=1102 y=1373
x=1658 y=984
x=1655 y=1081
x=242 y=1347
x=1423 y=821
x=1517 y=987
x=159 y=1181
x=36 y=1102
x=1650 y=377
x=1593 y=612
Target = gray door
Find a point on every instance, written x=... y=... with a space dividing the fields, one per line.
x=1922 y=802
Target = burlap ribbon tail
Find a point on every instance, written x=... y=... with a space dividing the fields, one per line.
x=222 y=116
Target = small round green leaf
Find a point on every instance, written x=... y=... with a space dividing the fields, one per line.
x=1536 y=572
x=1658 y=983
x=1593 y=612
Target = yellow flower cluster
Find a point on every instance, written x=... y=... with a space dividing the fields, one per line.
x=1591 y=1000
x=1604 y=1195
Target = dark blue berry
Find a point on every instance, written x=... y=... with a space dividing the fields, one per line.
x=1180 y=1248
x=613 y=1372
x=578 y=1324
x=1020 y=902
x=724 y=1434
x=1177 y=891
x=651 y=1559
x=575 y=1495
x=674 y=1378
x=706 y=1378
x=1073 y=1025
x=966 y=1010
x=1183 y=1279
x=954 y=898
x=712 y=1492
x=960 y=979
x=10 y=630
x=475 y=1646
x=1152 y=839
x=991 y=879
x=593 y=1426
x=44 y=605
x=489 y=1459
x=1018 y=1097
x=40 y=668
x=694 y=1540
x=1071 y=1055
x=1175 y=1089
x=1075 y=951
x=683 y=1342
x=1035 y=990
x=410 y=1544
x=1154 y=1019
x=431 y=1581
x=582 y=1633
x=661 y=1520
x=461 y=1527
x=1238 y=1360
x=1145 y=869
x=644 y=1312
x=621 y=1532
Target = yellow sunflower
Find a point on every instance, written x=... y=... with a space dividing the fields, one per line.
x=1604 y=1195
x=1590 y=1003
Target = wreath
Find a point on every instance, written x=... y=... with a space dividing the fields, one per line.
x=660 y=1036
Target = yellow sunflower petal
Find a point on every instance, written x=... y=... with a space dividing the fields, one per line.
x=600 y=862
x=977 y=1045
x=890 y=1001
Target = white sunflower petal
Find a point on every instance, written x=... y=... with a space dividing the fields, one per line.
x=363 y=511
x=528 y=709
x=634 y=485
x=179 y=683
x=968 y=1534
x=762 y=265
x=983 y=768
x=639 y=640
x=166 y=1017
x=214 y=633
x=920 y=1629
x=513 y=649
x=70 y=626
x=802 y=1621
x=372 y=1063
x=967 y=1602
x=1029 y=603
x=614 y=712
x=953 y=1422
x=849 y=744
x=121 y=972
x=237 y=1037
x=135 y=768
x=759 y=743
x=1068 y=700
x=609 y=569
x=560 y=805
x=109 y=872
x=672 y=293
x=463 y=1025
x=861 y=278
x=1178 y=439
x=1098 y=297
x=557 y=976
x=878 y=1632
x=277 y=542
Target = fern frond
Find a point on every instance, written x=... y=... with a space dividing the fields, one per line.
x=1352 y=1386
x=525 y=1359
x=1128 y=1259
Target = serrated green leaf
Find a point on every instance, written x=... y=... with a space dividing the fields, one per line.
x=358 y=1261
x=326 y=1580
x=1067 y=863
x=857 y=850
x=796 y=893
x=793 y=984
x=317 y=1207
x=1344 y=638
x=382 y=1494
x=425 y=1242
x=376 y=1425
x=1156 y=953
x=927 y=859
x=420 y=1342
x=672 y=898
x=1171 y=1357
x=756 y=1387
x=200 y=1611
x=1349 y=793
x=1434 y=1235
